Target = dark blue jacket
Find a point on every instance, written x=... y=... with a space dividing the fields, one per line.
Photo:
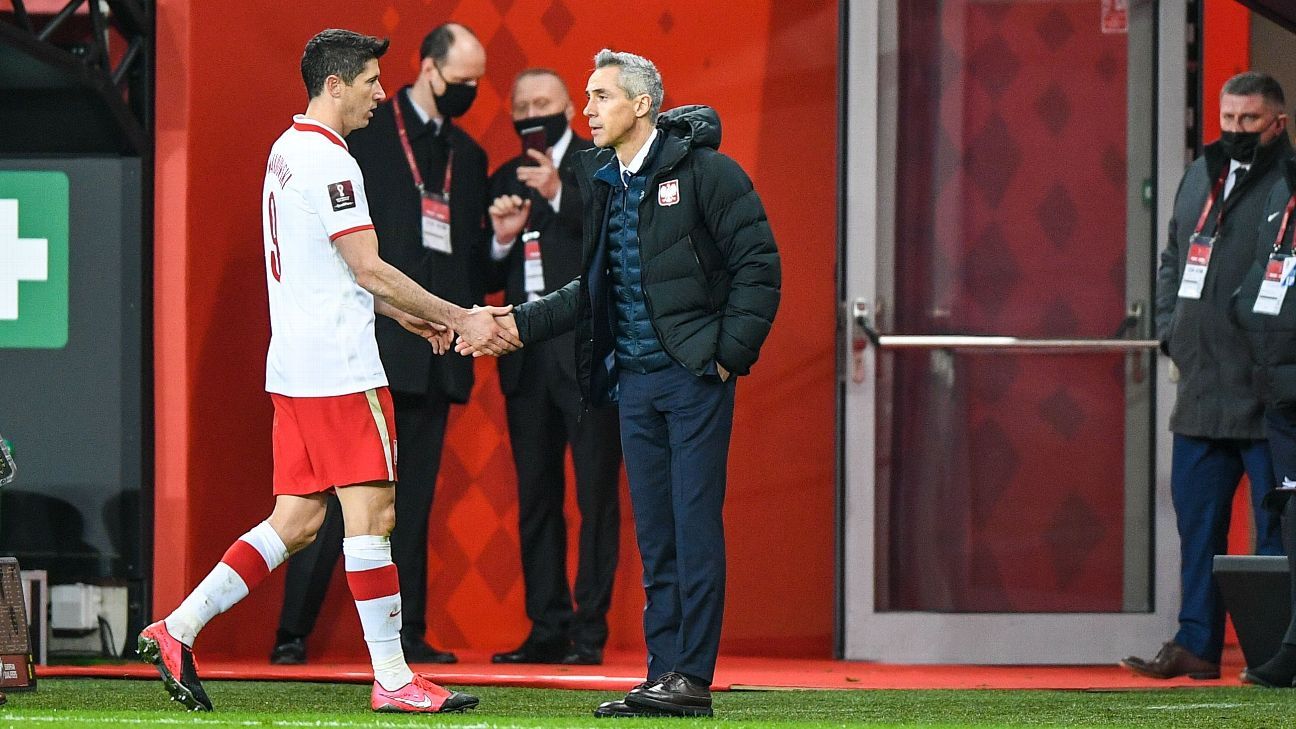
x=710 y=269
x=637 y=346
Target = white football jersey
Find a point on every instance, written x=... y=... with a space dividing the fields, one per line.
x=321 y=321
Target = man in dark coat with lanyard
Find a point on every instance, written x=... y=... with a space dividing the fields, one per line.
x=427 y=182
x=679 y=286
x=1217 y=424
x=543 y=398
x=1268 y=314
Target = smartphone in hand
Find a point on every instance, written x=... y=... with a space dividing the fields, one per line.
x=532 y=138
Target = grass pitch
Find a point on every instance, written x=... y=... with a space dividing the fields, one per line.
x=85 y=703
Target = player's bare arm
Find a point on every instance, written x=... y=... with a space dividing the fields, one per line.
x=388 y=284
x=439 y=336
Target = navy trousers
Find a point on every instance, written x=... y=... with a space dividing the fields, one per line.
x=675 y=429
x=1281 y=426
x=1204 y=474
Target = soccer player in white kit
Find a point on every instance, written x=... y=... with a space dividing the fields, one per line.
x=334 y=425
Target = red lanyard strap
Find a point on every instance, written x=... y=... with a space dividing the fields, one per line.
x=1201 y=221
x=409 y=153
x=1282 y=229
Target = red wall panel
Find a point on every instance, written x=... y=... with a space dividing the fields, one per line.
x=228 y=84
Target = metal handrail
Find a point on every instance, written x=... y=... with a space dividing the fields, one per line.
x=1002 y=343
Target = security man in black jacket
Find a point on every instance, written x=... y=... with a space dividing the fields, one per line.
x=1217 y=425
x=1266 y=309
x=542 y=398
x=678 y=290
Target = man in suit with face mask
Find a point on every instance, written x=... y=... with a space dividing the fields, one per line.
x=538 y=255
x=1217 y=420
x=427 y=182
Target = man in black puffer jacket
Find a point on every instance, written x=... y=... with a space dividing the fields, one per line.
x=679 y=289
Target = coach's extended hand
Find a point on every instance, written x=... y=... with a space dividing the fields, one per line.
x=488 y=330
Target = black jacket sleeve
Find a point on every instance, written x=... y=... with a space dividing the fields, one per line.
x=1167 y=281
x=736 y=221
x=548 y=316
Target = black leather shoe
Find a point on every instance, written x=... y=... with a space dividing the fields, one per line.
x=673 y=693
x=613 y=709
x=289 y=653
x=534 y=651
x=584 y=655
x=418 y=651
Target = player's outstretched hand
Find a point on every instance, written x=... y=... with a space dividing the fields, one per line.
x=488 y=330
x=438 y=335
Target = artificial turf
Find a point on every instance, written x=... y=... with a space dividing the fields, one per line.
x=86 y=703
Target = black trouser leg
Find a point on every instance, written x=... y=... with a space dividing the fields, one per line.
x=596 y=454
x=309 y=573
x=420 y=433
x=539 y=443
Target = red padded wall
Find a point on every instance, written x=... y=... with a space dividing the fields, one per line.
x=227 y=84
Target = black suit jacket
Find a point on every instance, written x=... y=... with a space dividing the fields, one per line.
x=396 y=210
x=560 y=253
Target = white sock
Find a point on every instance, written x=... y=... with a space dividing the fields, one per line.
x=242 y=568
x=376 y=589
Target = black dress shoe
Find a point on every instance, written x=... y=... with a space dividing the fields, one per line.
x=418 y=651
x=673 y=693
x=584 y=655
x=289 y=653
x=612 y=709
x=534 y=651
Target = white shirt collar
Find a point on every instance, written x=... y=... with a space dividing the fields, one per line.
x=560 y=147
x=638 y=161
x=422 y=115
x=1234 y=164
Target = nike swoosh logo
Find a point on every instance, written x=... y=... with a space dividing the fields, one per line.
x=1271 y=219
x=394 y=613
x=425 y=703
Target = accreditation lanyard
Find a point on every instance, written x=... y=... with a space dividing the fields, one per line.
x=1278 y=271
x=1201 y=246
x=436 y=206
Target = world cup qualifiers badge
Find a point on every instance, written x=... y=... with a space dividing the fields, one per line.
x=7 y=468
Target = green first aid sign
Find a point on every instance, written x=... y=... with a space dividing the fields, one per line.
x=33 y=260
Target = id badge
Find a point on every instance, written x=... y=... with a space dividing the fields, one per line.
x=436 y=224
x=8 y=471
x=1194 y=276
x=532 y=265
x=1273 y=289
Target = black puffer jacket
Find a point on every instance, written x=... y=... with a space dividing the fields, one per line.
x=1272 y=338
x=711 y=272
x=1216 y=397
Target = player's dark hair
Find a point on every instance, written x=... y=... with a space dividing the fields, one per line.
x=436 y=44
x=341 y=53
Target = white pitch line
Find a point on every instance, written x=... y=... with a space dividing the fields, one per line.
x=1234 y=705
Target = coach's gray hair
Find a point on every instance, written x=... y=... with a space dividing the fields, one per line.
x=638 y=76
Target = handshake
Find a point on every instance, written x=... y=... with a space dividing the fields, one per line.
x=477 y=331
x=493 y=332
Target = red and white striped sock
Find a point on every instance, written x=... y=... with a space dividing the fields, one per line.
x=376 y=589
x=244 y=565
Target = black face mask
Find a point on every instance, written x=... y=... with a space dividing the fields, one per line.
x=553 y=124
x=456 y=100
x=1240 y=146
